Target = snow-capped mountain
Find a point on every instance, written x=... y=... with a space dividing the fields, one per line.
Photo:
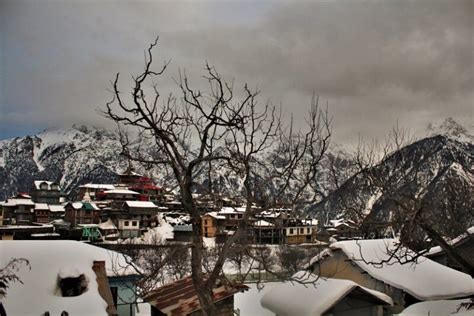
x=82 y=154
x=437 y=172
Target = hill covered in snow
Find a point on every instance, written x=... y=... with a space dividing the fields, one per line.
x=436 y=172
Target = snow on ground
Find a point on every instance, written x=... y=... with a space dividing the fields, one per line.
x=425 y=279
x=436 y=308
x=248 y=302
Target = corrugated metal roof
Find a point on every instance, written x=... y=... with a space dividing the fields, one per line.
x=179 y=298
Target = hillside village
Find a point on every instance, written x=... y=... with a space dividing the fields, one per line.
x=347 y=271
x=236 y=158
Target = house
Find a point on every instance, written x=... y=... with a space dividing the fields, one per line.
x=233 y=216
x=128 y=228
x=81 y=213
x=183 y=232
x=299 y=232
x=46 y=192
x=41 y=213
x=18 y=209
x=179 y=298
x=266 y=232
x=340 y=229
x=316 y=296
x=93 y=191
x=21 y=232
x=378 y=265
x=212 y=224
x=144 y=211
x=45 y=213
x=121 y=194
x=148 y=190
x=71 y=276
x=108 y=230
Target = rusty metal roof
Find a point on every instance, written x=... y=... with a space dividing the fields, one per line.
x=179 y=298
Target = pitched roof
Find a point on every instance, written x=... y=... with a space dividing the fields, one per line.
x=38 y=184
x=141 y=204
x=98 y=186
x=423 y=279
x=314 y=296
x=179 y=298
x=120 y=191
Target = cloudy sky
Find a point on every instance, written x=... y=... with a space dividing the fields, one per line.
x=374 y=62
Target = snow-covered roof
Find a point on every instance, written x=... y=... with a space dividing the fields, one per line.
x=120 y=191
x=15 y=202
x=263 y=223
x=215 y=215
x=425 y=279
x=48 y=183
x=437 y=308
x=56 y=208
x=310 y=222
x=269 y=214
x=314 y=296
x=41 y=207
x=107 y=225
x=86 y=205
x=48 y=259
x=98 y=186
x=232 y=210
x=141 y=204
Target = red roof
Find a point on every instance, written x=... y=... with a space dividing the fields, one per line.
x=145 y=187
x=179 y=298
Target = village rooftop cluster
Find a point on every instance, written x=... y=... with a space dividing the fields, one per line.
x=72 y=269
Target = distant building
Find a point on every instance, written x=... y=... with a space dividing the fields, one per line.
x=81 y=213
x=18 y=209
x=46 y=192
x=212 y=224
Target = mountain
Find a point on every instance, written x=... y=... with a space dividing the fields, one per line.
x=436 y=172
x=82 y=154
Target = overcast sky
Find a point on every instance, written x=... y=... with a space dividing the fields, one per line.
x=374 y=62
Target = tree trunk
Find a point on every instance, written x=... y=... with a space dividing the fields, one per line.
x=448 y=249
x=203 y=290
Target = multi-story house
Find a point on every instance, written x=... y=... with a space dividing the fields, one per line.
x=81 y=213
x=46 y=192
x=18 y=209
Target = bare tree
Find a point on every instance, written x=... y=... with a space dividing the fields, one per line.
x=9 y=274
x=203 y=130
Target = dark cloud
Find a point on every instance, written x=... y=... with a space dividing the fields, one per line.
x=376 y=62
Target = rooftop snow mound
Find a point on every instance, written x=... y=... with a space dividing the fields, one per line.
x=313 y=296
x=423 y=279
x=48 y=260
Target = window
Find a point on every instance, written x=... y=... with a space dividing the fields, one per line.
x=134 y=223
x=125 y=223
x=73 y=286
x=291 y=231
x=308 y=230
x=301 y=230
